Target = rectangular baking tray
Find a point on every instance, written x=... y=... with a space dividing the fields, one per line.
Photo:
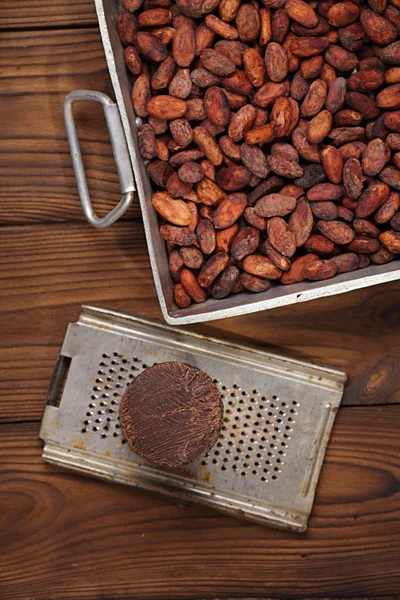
x=238 y=304
x=278 y=415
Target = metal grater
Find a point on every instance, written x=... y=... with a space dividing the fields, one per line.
x=279 y=414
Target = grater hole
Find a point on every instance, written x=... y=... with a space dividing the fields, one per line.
x=245 y=416
x=144 y=366
x=83 y=430
x=123 y=441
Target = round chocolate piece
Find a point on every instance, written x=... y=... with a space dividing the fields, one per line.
x=172 y=414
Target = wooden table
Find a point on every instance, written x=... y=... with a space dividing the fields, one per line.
x=64 y=536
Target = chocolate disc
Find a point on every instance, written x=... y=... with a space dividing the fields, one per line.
x=172 y=414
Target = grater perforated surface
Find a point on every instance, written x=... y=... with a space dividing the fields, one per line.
x=277 y=420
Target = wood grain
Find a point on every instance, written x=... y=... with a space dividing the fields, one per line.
x=71 y=537
x=48 y=272
x=46 y=13
x=37 y=70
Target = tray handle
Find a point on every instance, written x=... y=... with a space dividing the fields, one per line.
x=120 y=151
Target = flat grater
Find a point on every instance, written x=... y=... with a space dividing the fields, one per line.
x=278 y=417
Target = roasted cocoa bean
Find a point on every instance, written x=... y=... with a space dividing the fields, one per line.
x=262 y=127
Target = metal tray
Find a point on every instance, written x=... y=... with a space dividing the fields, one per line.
x=278 y=417
x=236 y=305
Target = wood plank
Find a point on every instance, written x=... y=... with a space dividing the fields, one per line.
x=37 y=70
x=48 y=272
x=46 y=13
x=64 y=536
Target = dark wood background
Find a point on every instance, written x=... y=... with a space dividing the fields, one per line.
x=64 y=536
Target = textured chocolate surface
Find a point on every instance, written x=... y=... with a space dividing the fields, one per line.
x=172 y=414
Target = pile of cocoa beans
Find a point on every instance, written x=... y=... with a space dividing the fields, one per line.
x=271 y=130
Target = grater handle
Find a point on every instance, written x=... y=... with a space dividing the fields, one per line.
x=120 y=151
x=57 y=379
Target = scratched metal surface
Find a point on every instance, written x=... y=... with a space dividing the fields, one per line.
x=278 y=417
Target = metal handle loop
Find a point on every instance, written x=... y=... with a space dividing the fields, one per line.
x=120 y=151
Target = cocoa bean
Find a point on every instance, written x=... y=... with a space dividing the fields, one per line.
x=268 y=133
